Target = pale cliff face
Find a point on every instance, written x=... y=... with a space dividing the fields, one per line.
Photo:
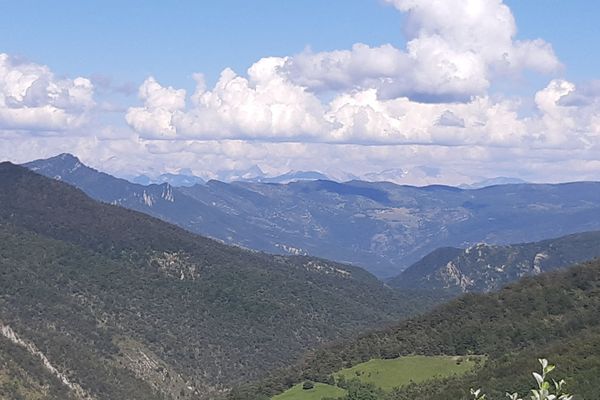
x=484 y=268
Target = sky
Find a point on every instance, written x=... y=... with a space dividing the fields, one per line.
x=426 y=91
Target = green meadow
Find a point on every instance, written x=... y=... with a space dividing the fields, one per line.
x=321 y=390
x=388 y=374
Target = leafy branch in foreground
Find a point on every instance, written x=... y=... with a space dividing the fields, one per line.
x=544 y=387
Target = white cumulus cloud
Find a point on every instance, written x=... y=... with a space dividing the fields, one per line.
x=264 y=105
x=562 y=124
x=425 y=106
x=268 y=107
x=454 y=50
x=375 y=95
x=155 y=118
x=32 y=98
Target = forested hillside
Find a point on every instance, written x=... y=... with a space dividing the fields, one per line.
x=120 y=305
x=554 y=315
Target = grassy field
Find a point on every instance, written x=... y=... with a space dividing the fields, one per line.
x=388 y=374
x=320 y=391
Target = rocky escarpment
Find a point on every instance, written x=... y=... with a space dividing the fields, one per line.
x=483 y=267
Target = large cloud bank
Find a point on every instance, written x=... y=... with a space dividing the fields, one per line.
x=434 y=92
x=430 y=103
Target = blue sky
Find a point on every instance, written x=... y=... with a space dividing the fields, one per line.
x=121 y=47
x=133 y=39
x=128 y=40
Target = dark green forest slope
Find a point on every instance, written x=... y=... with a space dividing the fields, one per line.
x=554 y=315
x=100 y=302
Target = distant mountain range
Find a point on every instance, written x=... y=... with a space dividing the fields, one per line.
x=382 y=227
x=100 y=302
x=253 y=174
x=185 y=177
x=292 y=176
x=501 y=180
x=181 y=179
x=484 y=268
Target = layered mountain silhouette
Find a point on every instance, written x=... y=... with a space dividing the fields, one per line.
x=382 y=227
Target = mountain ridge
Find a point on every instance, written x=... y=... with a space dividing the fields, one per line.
x=484 y=268
x=383 y=227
